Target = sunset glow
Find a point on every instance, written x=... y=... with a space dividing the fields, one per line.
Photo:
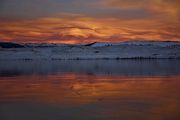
x=79 y=90
x=84 y=21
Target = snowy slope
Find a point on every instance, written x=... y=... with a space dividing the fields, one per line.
x=122 y=50
x=154 y=43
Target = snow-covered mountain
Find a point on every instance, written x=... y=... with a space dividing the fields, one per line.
x=154 y=43
x=96 y=50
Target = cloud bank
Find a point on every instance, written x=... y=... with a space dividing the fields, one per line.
x=83 y=21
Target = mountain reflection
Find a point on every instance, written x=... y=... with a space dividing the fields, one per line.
x=92 y=67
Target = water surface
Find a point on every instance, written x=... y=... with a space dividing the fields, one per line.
x=90 y=90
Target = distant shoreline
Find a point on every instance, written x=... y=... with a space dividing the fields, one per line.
x=108 y=51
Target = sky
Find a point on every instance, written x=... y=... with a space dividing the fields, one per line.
x=86 y=21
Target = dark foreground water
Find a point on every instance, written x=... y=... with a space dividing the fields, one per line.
x=90 y=90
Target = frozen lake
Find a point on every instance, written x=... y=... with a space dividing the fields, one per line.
x=90 y=90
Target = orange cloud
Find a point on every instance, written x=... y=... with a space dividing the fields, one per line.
x=84 y=29
x=170 y=7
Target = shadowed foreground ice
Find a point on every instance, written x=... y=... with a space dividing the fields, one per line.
x=90 y=90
